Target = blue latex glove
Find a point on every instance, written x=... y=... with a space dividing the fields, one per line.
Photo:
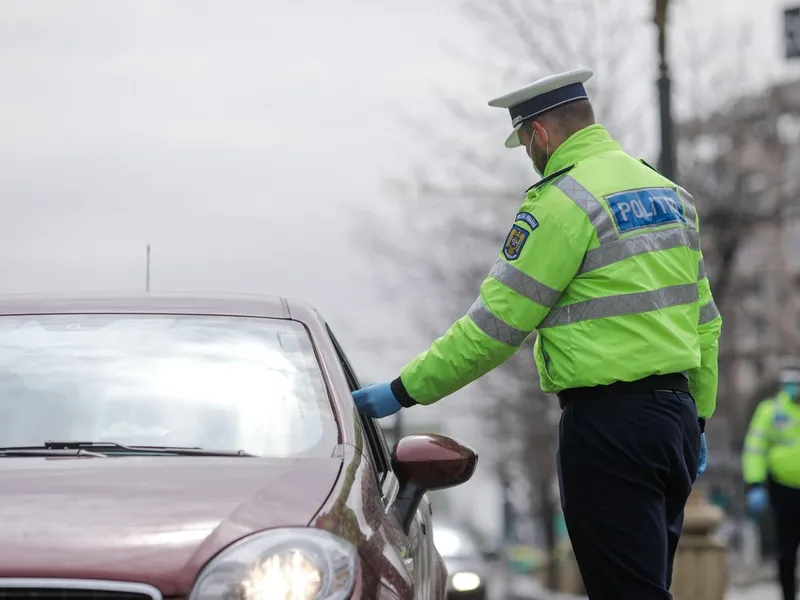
x=701 y=468
x=757 y=500
x=376 y=400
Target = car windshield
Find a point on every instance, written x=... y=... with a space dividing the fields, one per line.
x=232 y=383
x=453 y=543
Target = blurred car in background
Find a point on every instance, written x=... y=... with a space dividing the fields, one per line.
x=469 y=567
x=202 y=447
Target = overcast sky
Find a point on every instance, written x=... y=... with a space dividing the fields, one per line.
x=234 y=137
x=237 y=136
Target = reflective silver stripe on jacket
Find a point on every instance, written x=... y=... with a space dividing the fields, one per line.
x=524 y=284
x=643 y=243
x=495 y=328
x=612 y=249
x=708 y=312
x=623 y=304
x=701 y=270
x=590 y=205
x=690 y=212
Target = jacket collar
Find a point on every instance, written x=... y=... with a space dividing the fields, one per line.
x=784 y=400
x=582 y=144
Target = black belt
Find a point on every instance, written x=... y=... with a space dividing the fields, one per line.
x=674 y=381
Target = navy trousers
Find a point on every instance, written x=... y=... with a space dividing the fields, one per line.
x=627 y=462
x=786 y=504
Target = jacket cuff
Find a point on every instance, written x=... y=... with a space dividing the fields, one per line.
x=702 y=423
x=401 y=394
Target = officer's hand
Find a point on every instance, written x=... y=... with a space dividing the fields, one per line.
x=757 y=500
x=376 y=400
x=701 y=467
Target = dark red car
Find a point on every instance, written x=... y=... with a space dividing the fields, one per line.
x=203 y=447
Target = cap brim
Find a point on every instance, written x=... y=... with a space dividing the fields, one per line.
x=512 y=141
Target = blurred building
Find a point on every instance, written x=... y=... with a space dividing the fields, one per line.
x=742 y=165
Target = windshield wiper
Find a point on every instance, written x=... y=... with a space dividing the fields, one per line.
x=103 y=449
x=43 y=451
x=114 y=447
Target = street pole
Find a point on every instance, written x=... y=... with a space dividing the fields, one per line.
x=147 y=271
x=668 y=162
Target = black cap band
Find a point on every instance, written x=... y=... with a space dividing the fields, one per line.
x=547 y=101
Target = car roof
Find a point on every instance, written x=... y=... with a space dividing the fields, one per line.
x=176 y=303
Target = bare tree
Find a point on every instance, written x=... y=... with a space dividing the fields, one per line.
x=740 y=165
x=452 y=216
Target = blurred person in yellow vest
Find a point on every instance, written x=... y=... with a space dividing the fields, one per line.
x=771 y=469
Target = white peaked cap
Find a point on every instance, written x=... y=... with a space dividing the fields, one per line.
x=540 y=96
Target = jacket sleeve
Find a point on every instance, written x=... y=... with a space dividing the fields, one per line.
x=756 y=444
x=703 y=379
x=538 y=259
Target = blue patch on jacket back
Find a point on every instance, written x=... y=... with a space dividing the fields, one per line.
x=651 y=207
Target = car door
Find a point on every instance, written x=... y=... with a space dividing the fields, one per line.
x=421 y=557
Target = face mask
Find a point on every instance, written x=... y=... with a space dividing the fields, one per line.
x=791 y=390
x=530 y=153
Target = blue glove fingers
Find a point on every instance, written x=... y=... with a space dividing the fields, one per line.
x=757 y=500
x=376 y=401
x=701 y=468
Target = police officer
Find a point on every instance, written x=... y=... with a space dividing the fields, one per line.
x=602 y=260
x=771 y=468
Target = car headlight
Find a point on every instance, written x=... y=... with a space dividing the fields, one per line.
x=281 y=564
x=465 y=581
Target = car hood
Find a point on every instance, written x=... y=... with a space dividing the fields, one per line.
x=153 y=520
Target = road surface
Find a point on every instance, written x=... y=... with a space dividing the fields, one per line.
x=765 y=591
x=531 y=591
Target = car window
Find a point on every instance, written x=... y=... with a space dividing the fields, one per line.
x=376 y=442
x=382 y=442
x=212 y=382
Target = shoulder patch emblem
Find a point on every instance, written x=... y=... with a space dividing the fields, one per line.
x=528 y=218
x=515 y=240
x=781 y=420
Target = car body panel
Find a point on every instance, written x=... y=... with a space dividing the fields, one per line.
x=351 y=494
x=164 y=303
x=355 y=510
x=155 y=520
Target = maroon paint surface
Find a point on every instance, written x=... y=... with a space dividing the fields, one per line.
x=159 y=520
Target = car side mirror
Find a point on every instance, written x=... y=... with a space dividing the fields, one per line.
x=427 y=462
